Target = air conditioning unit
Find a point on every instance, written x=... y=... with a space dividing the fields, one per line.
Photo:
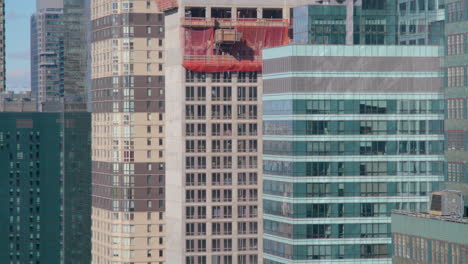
x=447 y=203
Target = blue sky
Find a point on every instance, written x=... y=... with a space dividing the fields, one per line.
x=18 y=13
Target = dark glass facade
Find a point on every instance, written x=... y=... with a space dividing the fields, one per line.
x=367 y=23
x=44 y=196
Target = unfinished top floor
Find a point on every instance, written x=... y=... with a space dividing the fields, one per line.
x=248 y=9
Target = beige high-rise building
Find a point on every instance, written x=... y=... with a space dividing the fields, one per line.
x=213 y=128
x=128 y=220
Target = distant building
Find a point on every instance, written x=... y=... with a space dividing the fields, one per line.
x=17 y=102
x=421 y=22
x=47 y=57
x=433 y=237
x=346 y=22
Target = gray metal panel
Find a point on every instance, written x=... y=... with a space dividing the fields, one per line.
x=351 y=64
x=348 y=84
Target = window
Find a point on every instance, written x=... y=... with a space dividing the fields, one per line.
x=318 y=252
x=216 y=228
x=373 y=189
x=374 y=251
x=227 y=243
x=216 y=245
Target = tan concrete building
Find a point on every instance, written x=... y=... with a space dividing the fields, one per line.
x=128 y=132
x=213 y=128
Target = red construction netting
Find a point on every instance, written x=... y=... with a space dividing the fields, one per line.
x=202 y=55
x=165 y=5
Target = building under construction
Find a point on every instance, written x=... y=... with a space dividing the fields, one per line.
x=213 y=66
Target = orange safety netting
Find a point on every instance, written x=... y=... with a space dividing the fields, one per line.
x=165 y=5
x=201 y=54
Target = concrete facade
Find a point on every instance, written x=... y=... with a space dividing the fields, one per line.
x=213 y=124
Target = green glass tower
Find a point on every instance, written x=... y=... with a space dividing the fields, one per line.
x=45 y=166
x=350 y=133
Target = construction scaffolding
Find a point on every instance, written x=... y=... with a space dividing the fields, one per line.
x=226 y=45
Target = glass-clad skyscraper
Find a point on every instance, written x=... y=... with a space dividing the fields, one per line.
x=365 y=22
x=349 y=134
x=47 y=56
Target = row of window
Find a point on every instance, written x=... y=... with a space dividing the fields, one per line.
x=220 y=212
x=226 y=259
x=287 y=107
x=130 y=253
x=220 y=228
x=226 y=178
x=126 y=82
x=307 y=127
x=377 y=168
x=218 y=245
x=221 y=129
x=302 y=252
x=115 y=228
x=456 y=44
x=423 y=250
x=333 y=148
x=456 y=76
x=129 y=205
x=218 y=93
x=220 y=112
x=457 y=172
x=328 y=210
x=224 y=162
x=310 y=231
x=457 y=108
x=457 y=140
x=346 y=189
x=456 y=11
x=200 y=196
x=220 y=146
x=413 y=5
x=226 y=77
